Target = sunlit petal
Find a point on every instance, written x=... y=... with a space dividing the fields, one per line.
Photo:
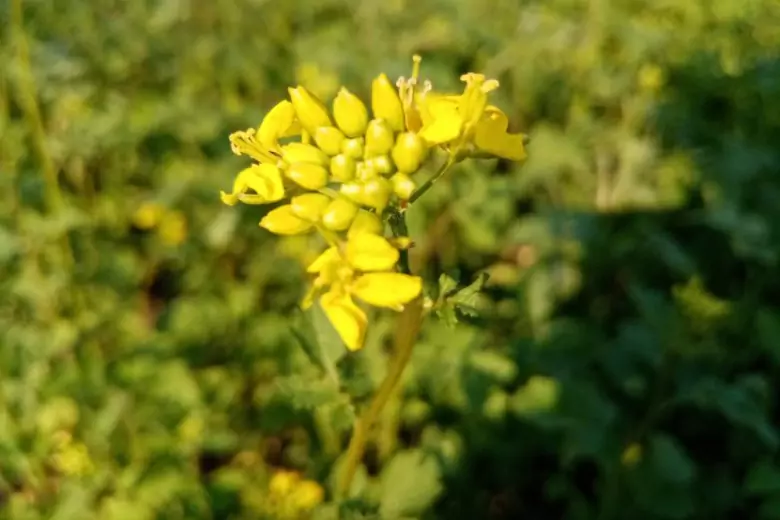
x=442 y=129
x=347 y=318
x=387 y=289
x=329 y=256
x=368 y=252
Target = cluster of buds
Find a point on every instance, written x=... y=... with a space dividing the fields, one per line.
x=346 y=168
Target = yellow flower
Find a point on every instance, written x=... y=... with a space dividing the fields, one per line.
x=148 y=215
x=278 y=123
x=265 y=180
x=307 y=495
x=173 y=228
x=466 y=123
x=363 y=268
x=262 y=144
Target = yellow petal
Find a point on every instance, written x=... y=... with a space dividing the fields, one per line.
x=347 y=318
x=283 y=221
x=433 y=106
x=276 y=124
x=387 y=289
x=264 y=179
x=328 y=257
x=443 y=129
x=491 y=137
x=365 y=222
x=368 y=252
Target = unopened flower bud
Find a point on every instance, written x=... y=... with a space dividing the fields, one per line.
x=342 y=168
x=350 y=113
x=303 y=153
x=386 y=104
x=329 y=139
x=409 y=152
x=379 y=138
x=339 y=214
x=403 y=185
x=366 y=222
x=309 y=206
x=308 y=175
x=354 y=191
x=353 y=148
x=382 y=164
x=376 y=193
x=365 y=171
x=283 y=221
x=310 y=110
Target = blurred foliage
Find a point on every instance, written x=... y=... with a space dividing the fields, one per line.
x=621 y=361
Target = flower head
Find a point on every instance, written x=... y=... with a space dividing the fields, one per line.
x=467 y=124
x=363 y=267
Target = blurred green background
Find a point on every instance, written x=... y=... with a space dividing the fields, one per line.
x=623 y=360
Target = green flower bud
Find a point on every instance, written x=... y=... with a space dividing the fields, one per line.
x=386 y=104
x=342 y=168
x=376 y=193
x=303 y=153
x=409 y=152
x=308 y=175
x=366 y=222
x=310 y=110
x=381 y=164
x=309 y=206
x=379 y=138
x=403 y=185
x=329 y=139
x=339 y=214
x=350 y=113
x=353 y=148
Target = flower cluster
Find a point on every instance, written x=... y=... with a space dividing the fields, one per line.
x=342 y=169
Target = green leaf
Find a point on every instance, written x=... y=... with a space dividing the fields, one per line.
x=763 y=479
x=411 y=482
x=319 y=339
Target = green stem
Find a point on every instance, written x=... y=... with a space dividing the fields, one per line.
x=407 y=329
x=26 y=91
x=419 y=192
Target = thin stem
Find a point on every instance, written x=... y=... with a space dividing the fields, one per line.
x=26 y=91
x=419 y=192
x=409 y=323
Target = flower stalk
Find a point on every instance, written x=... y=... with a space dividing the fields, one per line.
x=406 y=332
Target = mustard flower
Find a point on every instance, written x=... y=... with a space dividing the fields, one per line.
x=362 y=268
x=467 y=124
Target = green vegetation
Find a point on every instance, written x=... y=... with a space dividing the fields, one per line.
x=621 y=360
